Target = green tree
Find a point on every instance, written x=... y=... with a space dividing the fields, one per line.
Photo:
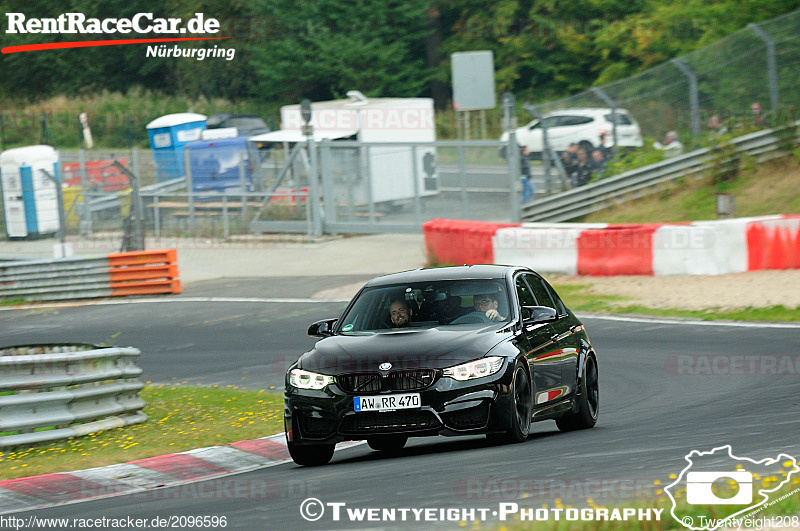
x=70 y=71
x=320 y=49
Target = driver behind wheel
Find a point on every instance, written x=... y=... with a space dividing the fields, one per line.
x=488 y=304
x=400 y=314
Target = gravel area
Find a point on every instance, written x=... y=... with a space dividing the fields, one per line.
x=292 y=256
x=756 y=289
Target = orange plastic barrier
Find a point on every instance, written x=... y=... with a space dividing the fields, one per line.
x=144 y=272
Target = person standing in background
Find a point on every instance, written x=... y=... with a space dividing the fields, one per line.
x=528 y=189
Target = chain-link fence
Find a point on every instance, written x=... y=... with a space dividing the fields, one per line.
x=383 y=187
x=361 y=187
x=745 y=80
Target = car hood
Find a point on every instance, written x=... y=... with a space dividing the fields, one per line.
x=409 y=348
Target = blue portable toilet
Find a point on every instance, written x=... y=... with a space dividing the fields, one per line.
x=168 y=134
x=30 y=199
x=215 y=165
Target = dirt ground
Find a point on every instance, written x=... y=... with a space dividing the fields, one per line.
x=755 y=289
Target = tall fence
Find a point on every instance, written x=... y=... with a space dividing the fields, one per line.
x=747 y=79
x=634 y=184
x=360 y=188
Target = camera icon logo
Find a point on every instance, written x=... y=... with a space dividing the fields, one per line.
x=699 y=488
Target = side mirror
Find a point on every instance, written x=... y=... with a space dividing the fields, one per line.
x=322 y=328
x=538 y=314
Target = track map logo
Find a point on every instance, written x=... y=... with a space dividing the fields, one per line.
x=722 y=489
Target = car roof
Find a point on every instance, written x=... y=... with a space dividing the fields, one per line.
x=446 y=273
x=218 y=119
x=585 y=110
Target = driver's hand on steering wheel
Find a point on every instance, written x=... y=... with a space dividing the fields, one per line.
x=494 y=315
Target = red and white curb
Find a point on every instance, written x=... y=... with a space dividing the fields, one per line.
x=146 y=475
x=697 y=248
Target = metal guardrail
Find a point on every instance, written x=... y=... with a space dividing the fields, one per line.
x=173 y=185
x=52 y=392
x=572 y=204
x=100 y=201
x=112 y=275
x=104 y=201
x=65 y=278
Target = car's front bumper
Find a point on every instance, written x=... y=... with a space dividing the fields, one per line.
x=448 y=407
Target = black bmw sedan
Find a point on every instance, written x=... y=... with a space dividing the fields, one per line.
x=444 y=351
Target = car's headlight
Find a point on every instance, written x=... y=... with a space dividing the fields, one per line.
x=475 y=369
x=309 y=380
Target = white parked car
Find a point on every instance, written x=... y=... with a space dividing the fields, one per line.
x=583 y=127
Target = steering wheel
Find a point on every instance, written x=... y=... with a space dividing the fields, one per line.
x=473 y=317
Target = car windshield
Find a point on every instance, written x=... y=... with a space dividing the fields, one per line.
x=247 y=123
x=444 y=303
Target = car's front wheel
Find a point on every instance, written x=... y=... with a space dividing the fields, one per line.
x=387 y=443
x=521 y=408
x=588 y=402
x=311 y=454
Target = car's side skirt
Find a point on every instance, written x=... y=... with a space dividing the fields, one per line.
x=555 y=410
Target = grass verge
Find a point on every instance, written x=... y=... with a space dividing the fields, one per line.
x=763 y=189
x=577 y=298
x=180 y=418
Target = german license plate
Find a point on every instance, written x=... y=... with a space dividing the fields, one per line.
x=386 y=402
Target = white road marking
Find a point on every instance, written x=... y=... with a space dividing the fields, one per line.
x=687 y=322
x=288 y=300
x=74 y=304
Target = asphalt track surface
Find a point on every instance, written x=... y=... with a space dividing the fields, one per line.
x=655 y=408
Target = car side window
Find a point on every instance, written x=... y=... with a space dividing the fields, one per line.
x=553 y=121
x=541 y=292
x=560 y=307
x=575 y=120
x=622 y=119
x=524 y=293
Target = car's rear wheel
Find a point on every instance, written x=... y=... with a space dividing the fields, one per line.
x=521 y=408
x=311 y=454
x=588 y=402
x=387 y=443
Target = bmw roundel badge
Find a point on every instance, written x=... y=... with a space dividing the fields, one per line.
x=385 y=366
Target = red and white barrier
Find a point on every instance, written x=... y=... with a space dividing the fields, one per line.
x=697 y=248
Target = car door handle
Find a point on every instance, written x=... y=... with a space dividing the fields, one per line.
x=553 y=337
